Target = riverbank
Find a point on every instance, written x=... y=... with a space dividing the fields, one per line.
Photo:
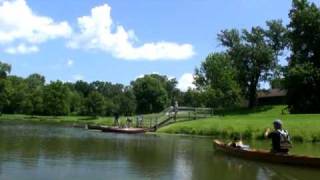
x=72 y=120
x=251 y=124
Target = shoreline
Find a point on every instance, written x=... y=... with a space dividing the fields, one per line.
x=250 y=125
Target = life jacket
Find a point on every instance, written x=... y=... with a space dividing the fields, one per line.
x=285 y=142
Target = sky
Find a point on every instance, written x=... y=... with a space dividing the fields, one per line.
x=120 y=40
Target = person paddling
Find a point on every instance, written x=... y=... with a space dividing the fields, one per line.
x=280 y=138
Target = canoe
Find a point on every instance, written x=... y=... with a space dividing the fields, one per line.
x=267 y=156
x=123 y=130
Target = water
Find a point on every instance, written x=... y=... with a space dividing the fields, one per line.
x=47 y=152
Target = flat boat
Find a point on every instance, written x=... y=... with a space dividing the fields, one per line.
x=123 y=130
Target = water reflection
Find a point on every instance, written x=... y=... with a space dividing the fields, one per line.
x=54 y=152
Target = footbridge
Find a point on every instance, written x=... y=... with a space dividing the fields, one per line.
x=172 y=115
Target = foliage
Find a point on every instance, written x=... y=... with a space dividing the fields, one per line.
x=254 y=54
x=5 y=69
x=303 y=77
x=150 y=93
x=56 y=99
x=216 y=79
x=95 y=104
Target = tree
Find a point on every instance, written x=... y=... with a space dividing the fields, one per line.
x=127 y=102
x=150 y=94
x=170 y=86
x=303 y=77
x=5 y=69
x=33 y=104
x=216 y=79
x=193 y=98
x=254 y=54
x=16 y=94
x=56 y=99
x=83 y=88
x=95 y=104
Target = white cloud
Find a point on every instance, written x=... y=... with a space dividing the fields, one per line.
x=186 y=81
x=77 y=77
x=19 y=24
x=98 y=31
x=22 y=49
x=70 y=62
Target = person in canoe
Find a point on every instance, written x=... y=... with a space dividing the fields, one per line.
x=280 y=138
x=237 y=143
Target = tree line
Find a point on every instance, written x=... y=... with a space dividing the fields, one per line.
x=32 y=95
x=224 y=79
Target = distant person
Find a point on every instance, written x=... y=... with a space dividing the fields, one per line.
x=129 y=122
x=139 y=120
x=280 y=138
x=175 y=109
x=116 y=119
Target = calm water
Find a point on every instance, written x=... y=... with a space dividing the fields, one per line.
x=54 y=152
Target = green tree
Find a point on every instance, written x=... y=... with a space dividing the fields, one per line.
x=127 y=101
x=170 y=86
x=95 y=104
x=5 y=69
x=56 y=99
x=193 y=98
x=216 y=79
x=303 y=77
x=150 y=94
x=16 y=95
x=33 y=103
x=254 y=54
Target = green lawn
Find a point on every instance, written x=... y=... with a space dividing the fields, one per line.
x=251 y=124
x=57 y=119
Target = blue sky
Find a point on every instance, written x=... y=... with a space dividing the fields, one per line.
x=119 y=40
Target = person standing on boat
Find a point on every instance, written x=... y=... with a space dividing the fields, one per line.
x=175 y=110
x=116 y=119
x=280 y=138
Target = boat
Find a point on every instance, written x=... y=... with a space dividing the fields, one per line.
x=123 y=130
x=267 y=156
x=94 y=127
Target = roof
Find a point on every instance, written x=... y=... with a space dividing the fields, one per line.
x=272 y=93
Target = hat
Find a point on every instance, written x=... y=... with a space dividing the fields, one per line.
x=277 y=124
x=277 y=121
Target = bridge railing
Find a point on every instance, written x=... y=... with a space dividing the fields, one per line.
x=169 y=115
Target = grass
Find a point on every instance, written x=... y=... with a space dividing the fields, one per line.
x=73 y=120
x=78 y=120
x=251 y=124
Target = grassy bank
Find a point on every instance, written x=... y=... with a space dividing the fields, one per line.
x=71 y=120
x=251 y=124
x=76 y=120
